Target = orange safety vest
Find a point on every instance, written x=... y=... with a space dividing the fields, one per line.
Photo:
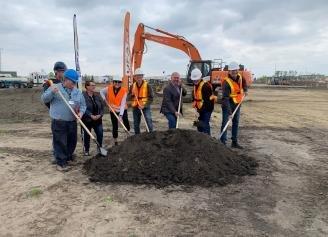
x=237 y=90
x=198 y=98
x=140 y=94
x=115 y=100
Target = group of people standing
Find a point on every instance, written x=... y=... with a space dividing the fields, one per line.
x=89 y=106
x=234 y=88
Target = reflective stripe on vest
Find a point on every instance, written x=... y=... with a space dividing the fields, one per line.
x=140 y=94
x=198 y=98
x=115 y=100
x=236 y=89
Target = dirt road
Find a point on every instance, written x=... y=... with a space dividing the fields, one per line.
x=286 y=130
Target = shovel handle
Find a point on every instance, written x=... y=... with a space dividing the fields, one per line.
x=143 y=116
x=77 y=117
x=110 y=107
x=179 y=107
x=233 y=114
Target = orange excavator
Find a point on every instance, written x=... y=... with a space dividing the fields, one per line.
x=211 y=69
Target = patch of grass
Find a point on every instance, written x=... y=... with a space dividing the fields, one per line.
x=109 y=199
x=35 y=192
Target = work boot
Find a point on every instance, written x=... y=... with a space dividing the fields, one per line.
x=62 y=168
x=223 y=142
x=72 y=162
x=236 y=145
x=72 y=158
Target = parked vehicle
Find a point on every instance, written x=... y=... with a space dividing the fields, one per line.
x=7 y=80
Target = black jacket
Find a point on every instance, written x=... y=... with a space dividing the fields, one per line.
x=171 y=97
x=100 y=107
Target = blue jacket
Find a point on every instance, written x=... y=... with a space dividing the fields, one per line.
x=58 y=108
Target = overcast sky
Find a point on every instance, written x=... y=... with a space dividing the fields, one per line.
x=262 y=35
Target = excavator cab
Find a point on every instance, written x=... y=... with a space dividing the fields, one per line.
x=205 y=66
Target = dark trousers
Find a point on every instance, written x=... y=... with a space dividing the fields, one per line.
x=64 y=138
x=98 y=128
x=235 y=124
x=137 y=118
x=172 y=120
x=115 y=122
x=204 y=118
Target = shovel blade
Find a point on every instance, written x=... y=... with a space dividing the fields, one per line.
x=103 y=151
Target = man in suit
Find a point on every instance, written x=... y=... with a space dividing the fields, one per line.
x=171 y=98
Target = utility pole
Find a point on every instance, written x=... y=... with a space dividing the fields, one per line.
x=0 y=58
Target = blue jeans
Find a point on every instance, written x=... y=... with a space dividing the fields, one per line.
x=137 y=118
x=235 y=123
x=204 y=118
x=172 y=120
x=64 y=137
x=98 y=128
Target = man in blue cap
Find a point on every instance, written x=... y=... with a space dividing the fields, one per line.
x=59 y=69
x=63 y=122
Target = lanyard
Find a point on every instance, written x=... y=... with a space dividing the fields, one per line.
x=68 y=92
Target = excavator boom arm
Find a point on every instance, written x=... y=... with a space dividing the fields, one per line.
x=171 y=40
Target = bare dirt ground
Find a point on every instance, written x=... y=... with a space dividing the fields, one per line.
x=286 y=130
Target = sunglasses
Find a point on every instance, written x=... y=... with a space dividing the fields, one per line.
x=91 y=85
x=117 y=82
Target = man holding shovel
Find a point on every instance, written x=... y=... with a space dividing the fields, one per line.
x=172 y=99
x=203 y=101
x=59 y=69
x=234 y=88
x=142 y=96
x=63 y=122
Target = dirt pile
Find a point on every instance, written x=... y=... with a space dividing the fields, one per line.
x=170 y=157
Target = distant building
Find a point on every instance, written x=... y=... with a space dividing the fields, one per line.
x=102 y=79
x=97 y=79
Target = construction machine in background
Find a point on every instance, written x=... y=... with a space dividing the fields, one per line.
x=212 y=70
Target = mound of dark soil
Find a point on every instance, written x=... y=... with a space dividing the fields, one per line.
x=170 y=157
